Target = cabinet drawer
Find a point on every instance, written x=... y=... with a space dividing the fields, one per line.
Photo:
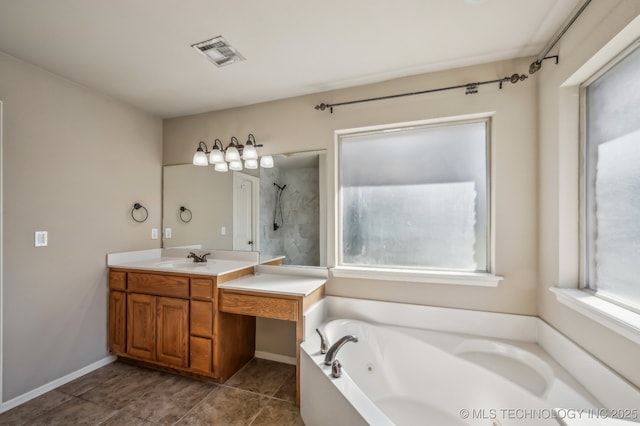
x=117 y=280
x=201 y=318
x=201 y=288
x=200 y=354
x=262 y=306
x=161 y=285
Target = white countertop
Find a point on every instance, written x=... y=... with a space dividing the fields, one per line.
x=180 y=265
x=289 y=280
x=294 y=285
x=264 y=258
x=175 y=260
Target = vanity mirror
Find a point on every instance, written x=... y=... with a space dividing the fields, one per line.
x=280 y=211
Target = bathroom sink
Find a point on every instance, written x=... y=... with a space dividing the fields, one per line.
x=182 y=264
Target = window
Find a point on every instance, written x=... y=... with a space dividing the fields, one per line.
x=415 y=197
x=611 y=182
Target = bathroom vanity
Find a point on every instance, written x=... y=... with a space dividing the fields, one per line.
x=200 y=319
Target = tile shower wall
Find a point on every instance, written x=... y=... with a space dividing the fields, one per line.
x=299 y=236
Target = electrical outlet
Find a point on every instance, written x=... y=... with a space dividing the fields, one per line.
x=167 y=233
x=154 y=233
x=41 y=239
x=223 y=230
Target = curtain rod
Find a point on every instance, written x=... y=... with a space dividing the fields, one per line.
x=537 y=64
x=472 y=88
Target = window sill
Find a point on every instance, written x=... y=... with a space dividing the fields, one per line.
x=610 y=315
x=432 y=277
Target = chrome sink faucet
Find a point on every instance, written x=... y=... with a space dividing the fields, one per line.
x=198 y=259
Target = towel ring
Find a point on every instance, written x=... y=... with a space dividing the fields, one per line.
x=138 y=206
x=182 y=210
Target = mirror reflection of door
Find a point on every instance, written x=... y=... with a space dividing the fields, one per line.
x=246 y=193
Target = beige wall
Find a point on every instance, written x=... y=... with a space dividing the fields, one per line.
x=74 y=162
x=559 y=258
x=294 y=125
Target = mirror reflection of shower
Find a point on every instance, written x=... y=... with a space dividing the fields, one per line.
x=278 y=217
x=299 y=215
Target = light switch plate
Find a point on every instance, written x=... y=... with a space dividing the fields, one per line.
x=154 y=233
x=41 y=239
x=167 y=232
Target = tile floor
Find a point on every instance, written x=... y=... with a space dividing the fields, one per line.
x=261 y=393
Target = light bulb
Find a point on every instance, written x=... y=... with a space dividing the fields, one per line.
x=200 y=158
x=216 y=156
x=232 y=154
x=221 y=167
x=266 y=162
x=235 y=165
x=251 y=164
x=249 y=153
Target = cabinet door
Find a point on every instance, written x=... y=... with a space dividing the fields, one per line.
x=117 y=322
x=173 y=331
x=141 y=326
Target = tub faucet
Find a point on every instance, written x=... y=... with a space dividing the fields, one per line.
x=198 y=259
x=323 y=342
x=333 y=350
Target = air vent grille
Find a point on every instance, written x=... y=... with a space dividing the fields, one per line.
x=219 y=51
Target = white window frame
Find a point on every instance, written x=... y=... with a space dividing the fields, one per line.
x=412 y=274
x=587 y=269
x=569 y=289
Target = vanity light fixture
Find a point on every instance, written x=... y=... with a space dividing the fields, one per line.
x=230 y=158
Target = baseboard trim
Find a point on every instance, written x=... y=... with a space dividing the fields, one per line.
x=276 y=357
x=19 y=400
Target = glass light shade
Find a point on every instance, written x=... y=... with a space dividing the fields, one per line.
x=249 y=153
x=251 y=164
x=235 y=165
x=216 y=156
x=266 y=162
x=200 y=158
x=232 y=154
x=221 y=167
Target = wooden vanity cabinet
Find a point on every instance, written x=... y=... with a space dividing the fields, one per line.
x=171 y=321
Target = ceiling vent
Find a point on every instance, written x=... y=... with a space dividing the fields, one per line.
x=219 y=51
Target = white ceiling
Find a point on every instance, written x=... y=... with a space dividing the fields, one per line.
x=139 y=51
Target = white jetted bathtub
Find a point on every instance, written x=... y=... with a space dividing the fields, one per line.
x=409 y=376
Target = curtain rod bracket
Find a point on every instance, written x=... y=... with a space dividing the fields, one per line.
x=536 y=65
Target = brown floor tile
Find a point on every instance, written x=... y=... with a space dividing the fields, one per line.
x=169 y=400
x=75 y=412
x=97 y=377
x=225 y=406
x=124 y=419
x=29 y=410
x=281 y=413
x=288 y=389
x=261 y=376
x=123 y=390
x=124 y=395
